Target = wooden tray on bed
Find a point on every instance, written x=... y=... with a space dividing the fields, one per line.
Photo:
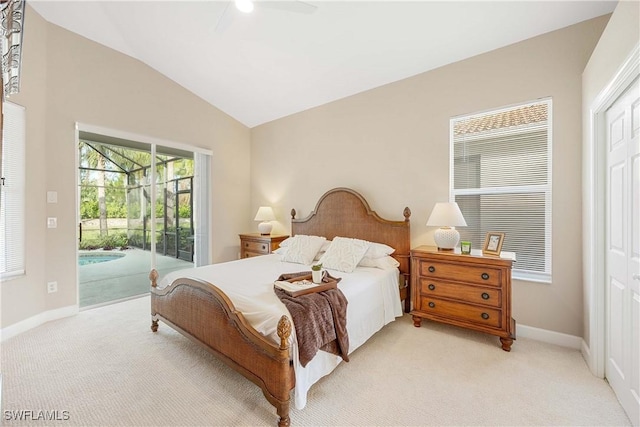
x=328 y=282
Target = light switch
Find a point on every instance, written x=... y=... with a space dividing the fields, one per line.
x=52 y=197
x=52 y=222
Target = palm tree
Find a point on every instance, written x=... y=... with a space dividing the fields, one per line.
x=92 y=158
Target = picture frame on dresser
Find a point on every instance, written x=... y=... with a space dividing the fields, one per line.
x=493 y=243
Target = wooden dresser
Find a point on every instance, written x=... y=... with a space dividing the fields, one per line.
x=470 y=291
x=255 y=244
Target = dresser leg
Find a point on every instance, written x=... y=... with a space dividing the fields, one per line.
x=506 y=343
x=417 y=321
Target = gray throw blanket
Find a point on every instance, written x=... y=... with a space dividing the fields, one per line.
x=320 y=319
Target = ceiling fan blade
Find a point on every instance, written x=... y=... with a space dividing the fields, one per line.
x=226 y=18
x=289 y=6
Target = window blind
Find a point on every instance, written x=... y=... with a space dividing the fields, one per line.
x=501 y=180
x=12 y=208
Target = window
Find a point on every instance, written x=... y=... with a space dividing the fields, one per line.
x=501 y=179
x=12 y=192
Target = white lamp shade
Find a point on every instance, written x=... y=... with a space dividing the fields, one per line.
x=446 y=216
x=265 y=214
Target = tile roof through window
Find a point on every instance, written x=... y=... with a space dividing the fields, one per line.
x=526 y=115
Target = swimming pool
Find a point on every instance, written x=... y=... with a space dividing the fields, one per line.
x=88 y=259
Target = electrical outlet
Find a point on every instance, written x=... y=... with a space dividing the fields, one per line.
x=52 y=287
x=52 y=222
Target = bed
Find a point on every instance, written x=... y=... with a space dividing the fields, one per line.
x=211 y=306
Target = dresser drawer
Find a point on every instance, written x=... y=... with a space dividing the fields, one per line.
x=456 y=310
x=472 y=294
x=259 y=248
x=481 y=275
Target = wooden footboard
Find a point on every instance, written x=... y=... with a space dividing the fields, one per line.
x=203 y=313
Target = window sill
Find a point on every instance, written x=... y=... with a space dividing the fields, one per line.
x=525 y=276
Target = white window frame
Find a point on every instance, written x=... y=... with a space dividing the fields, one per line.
x=12 y=209
x=543 y=277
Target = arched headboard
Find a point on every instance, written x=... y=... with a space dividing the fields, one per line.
x=344 y=212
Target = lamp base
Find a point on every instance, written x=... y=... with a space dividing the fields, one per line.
x=446 y=238
x=265 y=228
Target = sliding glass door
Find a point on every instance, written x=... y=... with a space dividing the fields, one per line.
x=142 y=206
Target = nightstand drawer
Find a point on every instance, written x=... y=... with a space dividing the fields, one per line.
x=259 y=244
x=472 y=294
x=465 y=312
x=481 y=275
x=246 y=254
x=259 y=248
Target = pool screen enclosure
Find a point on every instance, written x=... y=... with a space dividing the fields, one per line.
x=116 y=196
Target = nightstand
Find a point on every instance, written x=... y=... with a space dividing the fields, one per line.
x=470 y=291
x=255 y=244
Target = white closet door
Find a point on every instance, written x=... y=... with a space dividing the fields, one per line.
x=623 y=250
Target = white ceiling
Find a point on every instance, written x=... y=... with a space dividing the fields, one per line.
x=274 y=62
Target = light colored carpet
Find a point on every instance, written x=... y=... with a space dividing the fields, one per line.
x=105 y=367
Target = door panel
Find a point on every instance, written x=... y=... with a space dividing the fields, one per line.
x=623 y=251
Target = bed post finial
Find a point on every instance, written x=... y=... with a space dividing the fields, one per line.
x=153 y=276
x=406 y=213
x=293 y=214
x=284 y=331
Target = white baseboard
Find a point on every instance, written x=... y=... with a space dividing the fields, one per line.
x=550 y=337
x=37 y=320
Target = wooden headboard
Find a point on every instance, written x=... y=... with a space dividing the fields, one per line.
x=345 y=213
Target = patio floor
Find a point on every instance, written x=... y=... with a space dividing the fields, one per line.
x=122 y=278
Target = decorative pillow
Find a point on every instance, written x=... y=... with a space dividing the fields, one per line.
x=286 y=242
x=302 y=249
x=378 y=250
x=385 y=263
x=323 y=249
x=344 y=254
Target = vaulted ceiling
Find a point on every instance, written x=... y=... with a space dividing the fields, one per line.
x=290 y=56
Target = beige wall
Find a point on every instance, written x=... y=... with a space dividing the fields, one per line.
x=68 y=79
x=618 y=40
x=391 y=144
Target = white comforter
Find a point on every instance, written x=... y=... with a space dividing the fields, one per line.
x=372 y=293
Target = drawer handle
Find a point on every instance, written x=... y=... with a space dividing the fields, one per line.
x=432 y=286
x=485 y=276
x=431 y=269
x=485 y=295
x=485 y=316
x=432 y=304
x=246 y=245
x=264 y=247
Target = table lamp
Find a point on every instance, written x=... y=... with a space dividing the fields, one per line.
x=447 y=216
x=265 y=215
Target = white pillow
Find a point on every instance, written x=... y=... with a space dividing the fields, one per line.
x=323 y=249
x=302 y=249
x=344 y=254
x=286 y=242
x=378 y=250
x=385 y=263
